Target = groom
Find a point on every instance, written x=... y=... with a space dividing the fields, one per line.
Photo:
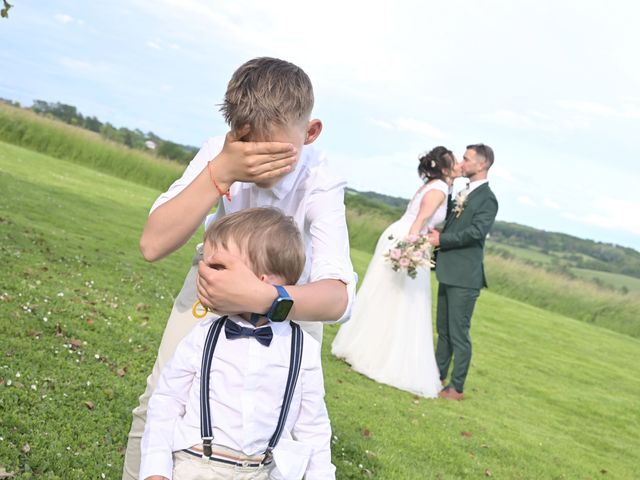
x=459 y=267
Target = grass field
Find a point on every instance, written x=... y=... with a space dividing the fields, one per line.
x=536 y=256
x=81 y=315
x=614 y=279
x=528 y=254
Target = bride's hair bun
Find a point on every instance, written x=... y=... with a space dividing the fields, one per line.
x=435 y=164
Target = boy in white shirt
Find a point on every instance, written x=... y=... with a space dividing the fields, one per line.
x=257 y=422
x=265 y=160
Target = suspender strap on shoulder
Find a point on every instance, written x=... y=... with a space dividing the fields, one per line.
x=294 y=371
x=206 y=429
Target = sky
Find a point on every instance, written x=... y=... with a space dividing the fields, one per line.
x=552 y=86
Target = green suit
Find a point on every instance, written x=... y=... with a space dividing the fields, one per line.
x=460 y=274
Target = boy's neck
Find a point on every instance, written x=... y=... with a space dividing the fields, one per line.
x=255 y=319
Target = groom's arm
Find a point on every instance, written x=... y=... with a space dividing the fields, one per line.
x=481 y=224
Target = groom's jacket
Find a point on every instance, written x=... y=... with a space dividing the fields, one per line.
x=459 y=261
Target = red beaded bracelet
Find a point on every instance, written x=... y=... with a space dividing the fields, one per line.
x=226 y=194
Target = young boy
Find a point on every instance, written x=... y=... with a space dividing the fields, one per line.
x=238 y=381
x=266 y=160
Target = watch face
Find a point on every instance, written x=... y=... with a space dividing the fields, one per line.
x=281 y=310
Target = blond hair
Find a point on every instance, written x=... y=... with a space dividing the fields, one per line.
x=269 y=239
x=265 y=92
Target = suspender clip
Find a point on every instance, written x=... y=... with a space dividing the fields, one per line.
x=268 y=456
x=206 y=447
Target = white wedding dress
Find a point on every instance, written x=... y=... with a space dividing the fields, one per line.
x=389 y=337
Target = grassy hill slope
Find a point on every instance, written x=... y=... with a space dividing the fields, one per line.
x=81 y=316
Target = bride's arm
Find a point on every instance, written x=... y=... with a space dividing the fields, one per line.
x=428 y=206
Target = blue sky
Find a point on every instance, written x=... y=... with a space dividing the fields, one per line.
x=552 y=86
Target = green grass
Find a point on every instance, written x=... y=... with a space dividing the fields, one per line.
x=580 y=299
x=548 y=397
x=535 y=256
x=616 y=280
x=528 y=254
x=52 y=137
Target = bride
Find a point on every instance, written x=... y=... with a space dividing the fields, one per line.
x=389 y=337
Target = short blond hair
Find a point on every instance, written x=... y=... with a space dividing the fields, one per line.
x=265 y=92
x=270 y=240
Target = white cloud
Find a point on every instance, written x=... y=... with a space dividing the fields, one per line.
x=157 y=44
x=526 y=201
x=587 y=107
x=536 y=121
x=75 y=64
x=411 y=125
x=611 y=214
x=86 y=69
x=498 y=171
x=550 y=204
x=595 y=109
x=63 y=18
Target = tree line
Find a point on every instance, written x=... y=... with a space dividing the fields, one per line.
x=137 y=139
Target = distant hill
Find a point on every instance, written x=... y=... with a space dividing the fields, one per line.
x=393 y=202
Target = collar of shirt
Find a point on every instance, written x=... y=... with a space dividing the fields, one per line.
x=285 y=184
x=473 y=185
x=278 y=328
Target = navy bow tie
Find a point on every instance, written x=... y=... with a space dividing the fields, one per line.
x=264 y=335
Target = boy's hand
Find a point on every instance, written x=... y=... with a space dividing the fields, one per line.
x=254 y=162
x=227 y=285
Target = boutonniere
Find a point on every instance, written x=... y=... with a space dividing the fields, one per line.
x=460 y=202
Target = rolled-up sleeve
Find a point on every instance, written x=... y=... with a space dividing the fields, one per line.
x=208 y=151
x=330 y=238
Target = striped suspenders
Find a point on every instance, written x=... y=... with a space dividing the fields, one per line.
x=206 y=429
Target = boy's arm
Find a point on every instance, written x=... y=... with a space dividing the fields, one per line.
x=312 y=426
x=172 y=223
x=329 y=294
x=167 y=405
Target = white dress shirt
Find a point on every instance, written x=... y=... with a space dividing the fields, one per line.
x=312 y=195
x=473 y=185
x=246 y=392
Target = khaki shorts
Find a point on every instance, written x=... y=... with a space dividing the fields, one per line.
x=187 y=466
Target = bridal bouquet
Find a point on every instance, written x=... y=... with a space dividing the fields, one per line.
x=409 y=254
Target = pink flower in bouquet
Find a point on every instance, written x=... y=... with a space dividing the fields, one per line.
x=395 y=253
x=404 y=262
x=418 y=257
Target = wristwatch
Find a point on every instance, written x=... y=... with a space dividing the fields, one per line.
x=281 y=306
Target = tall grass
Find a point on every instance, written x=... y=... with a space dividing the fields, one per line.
x=27 y=129
x=574 y=298
x=367 y=220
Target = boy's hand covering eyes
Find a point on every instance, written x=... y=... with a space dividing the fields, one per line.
x=226 y=285
x=255 y=162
